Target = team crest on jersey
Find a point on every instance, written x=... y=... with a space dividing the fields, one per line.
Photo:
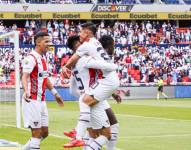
x=35 y=123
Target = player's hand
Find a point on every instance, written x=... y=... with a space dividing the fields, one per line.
x=26 y=97
x=117 y=97
x=59 y=100
x=66 y=72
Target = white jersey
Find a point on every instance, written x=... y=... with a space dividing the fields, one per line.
x=36 y=66
x=86 y=72
x=92 y=47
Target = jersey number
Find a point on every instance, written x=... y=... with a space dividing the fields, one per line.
x=80 y=83
x=102 y=53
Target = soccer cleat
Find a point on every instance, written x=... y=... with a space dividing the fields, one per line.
x=74 y=143
x=71 y=134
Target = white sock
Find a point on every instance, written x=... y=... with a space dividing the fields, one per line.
x=27 y=145
x=86 y=138
x=35 y=144
x=97 y=143
x=84 y=120
x=114 y=135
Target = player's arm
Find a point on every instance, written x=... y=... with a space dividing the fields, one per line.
x=25 y=78
x=66 y=70
x=117 y=97
x=28 y=65
x=81 y=51
x=72 y=61
x=100 y=64
x=58 y=98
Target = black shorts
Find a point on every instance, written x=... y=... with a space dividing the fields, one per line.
x=160 y=88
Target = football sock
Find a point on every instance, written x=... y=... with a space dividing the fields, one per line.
x=114 y=135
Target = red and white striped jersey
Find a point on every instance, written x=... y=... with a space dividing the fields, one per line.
x=36 y=66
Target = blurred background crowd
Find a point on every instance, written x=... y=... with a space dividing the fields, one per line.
x=144 y=50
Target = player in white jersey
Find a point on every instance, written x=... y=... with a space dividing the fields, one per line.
x=83 y=78
x=35 y=81
x=102 y=89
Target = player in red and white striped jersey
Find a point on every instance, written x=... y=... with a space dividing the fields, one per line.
x=35 y=81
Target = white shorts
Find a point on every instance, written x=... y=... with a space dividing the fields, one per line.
x=99 y=117
x=103 y=89
x=35 y=114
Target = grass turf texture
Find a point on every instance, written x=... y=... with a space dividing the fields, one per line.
x=144 y=124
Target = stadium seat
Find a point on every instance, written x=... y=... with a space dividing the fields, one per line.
x=187 y=1
x=146 y=1
x=186 y=79
x=128 y=1
x=172 y=1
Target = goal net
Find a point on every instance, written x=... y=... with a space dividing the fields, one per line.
x=10 y=114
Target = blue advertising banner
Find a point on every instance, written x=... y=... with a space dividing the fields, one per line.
x=64 y=93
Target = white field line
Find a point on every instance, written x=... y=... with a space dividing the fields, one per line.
x=54 y=135
x=136 y=116
x=153 y=136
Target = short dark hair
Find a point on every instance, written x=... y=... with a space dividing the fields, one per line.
x=107 y=41
x=90 y=26
x=40 y=34
x=72 y=40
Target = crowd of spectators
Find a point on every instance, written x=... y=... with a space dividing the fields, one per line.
x=144 y=64
x=124 y=32
x=144 y=50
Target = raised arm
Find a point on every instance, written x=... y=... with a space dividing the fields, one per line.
x=100 y=64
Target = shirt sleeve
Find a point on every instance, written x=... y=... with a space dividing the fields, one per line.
x=99 y=64
x=28 y=64
x=83 y=50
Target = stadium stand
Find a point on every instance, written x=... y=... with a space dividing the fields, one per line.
x=139 y=58
x=171 y=1
x=187 y=1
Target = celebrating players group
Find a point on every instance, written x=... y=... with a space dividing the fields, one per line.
x=93 y=79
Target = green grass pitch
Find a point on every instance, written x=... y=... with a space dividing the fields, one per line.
x=144 y=124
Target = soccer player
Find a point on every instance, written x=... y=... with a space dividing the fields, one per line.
x=99 y=91
x=160 y=85
x=82 y=67
x=35 y=81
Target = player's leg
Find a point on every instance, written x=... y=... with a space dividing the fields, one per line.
x=101 y=90
x=114 y=129
x=89 y=137
x=163 y=93
x=84 y=119
x=36 y=139
x=32 y=119
x=158 y=92
x=99 y=120
x=82 y=126
x=44 y=120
